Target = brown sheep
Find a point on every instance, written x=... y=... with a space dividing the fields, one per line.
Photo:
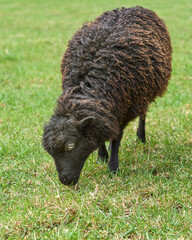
x=112 y=70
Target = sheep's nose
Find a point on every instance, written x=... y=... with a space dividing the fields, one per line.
x=64 y=180
x=68 y=180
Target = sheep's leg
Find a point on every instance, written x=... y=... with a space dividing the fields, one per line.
x=109 y=147
x=102 y=153
x=114 y=159
x=141 y=129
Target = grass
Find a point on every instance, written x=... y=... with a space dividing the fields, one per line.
x=151 y=196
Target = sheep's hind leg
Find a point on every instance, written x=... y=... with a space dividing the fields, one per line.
x=109 y=147
x=114 y=159
x=102 y=154
x=141 y=129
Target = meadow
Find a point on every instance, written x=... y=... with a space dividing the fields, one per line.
x=151 y=196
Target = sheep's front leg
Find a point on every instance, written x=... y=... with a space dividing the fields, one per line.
x=114 y=158
x=141 y=129
x=102 y=153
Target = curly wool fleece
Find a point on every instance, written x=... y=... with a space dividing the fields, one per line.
x=113 y=68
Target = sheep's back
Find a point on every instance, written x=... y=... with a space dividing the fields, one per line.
x=124 y=55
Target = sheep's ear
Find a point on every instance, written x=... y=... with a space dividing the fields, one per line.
x=85 y=122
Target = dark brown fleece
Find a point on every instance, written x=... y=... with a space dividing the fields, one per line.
x=113 y=68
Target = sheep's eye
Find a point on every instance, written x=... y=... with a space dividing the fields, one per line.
x=69 y=146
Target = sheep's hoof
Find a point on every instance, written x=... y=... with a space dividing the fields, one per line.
x=141 y=138
x=112 y=172
x=113 y=168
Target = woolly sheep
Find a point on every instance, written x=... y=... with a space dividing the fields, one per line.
x=113 y=68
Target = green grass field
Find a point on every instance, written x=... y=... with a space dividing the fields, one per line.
x=151 y=196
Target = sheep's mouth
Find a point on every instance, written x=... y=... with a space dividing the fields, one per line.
x=69 y=179
x=69 y=171
x=65 y=181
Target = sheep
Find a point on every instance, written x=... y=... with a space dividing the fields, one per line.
x=113 y=68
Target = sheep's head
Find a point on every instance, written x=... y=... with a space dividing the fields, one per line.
x=69 y=142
